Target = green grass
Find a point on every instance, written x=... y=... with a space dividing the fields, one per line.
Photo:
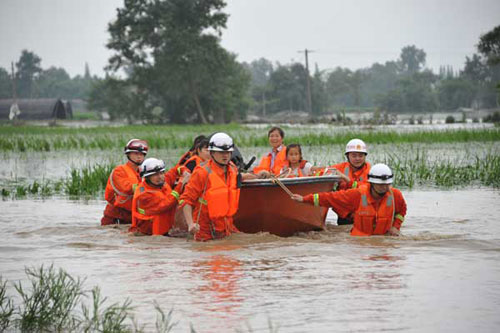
x=33 y=138
x=89 y=181
x=417 y=170
x=411 y=170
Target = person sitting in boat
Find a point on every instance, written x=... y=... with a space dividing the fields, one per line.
x=213 y=191
x=295 y=165
x=201 y=155
x=154 y=202
x=273 y=162
x=377 y=208
x=121 y=184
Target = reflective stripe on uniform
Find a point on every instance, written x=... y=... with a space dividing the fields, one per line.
x=400 y=217
x=364 y=200
x=141 y=211
x=389 y=201
x=179 y=171
x=346 y=171
x=175 y=194
x=354 y=184
x=134 y=186
x=202 y=201
x=116 y=190
x=316 y=199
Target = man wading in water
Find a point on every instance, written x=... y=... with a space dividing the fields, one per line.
x=377 y=208
x=122 y=183
x=213 y=191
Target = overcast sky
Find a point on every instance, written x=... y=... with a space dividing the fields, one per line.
x=346 y=33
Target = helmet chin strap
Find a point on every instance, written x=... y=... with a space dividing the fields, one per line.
x=128 y=157
x=148 y=181
x=378 y=193
x=219 y=164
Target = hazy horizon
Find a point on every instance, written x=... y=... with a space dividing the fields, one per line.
x=351 y=34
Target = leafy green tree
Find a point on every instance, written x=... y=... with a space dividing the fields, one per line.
x=319 y=98
x=412 y=60
x=288 y=88
x=28 y=69
x=5 y=84
x=338 y=88
x=117 y=97
x=53 y=82
x=173 y=50
x=454 y=93
x=489 y=45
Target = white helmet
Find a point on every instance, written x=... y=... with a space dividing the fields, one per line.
x=221 y=142
x=380 y=174
x=356 y=146
x=151 y=166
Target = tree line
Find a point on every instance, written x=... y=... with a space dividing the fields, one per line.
x=168 y=66
x=31 y=81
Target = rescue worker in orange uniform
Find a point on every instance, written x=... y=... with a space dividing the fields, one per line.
x=377 y=208
x=122 y=183
x=272 y=163
x=355 y=168
x=200 y=155
x=154 y=203
x=211 y=197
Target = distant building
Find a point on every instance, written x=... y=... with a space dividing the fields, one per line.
x=37 y=109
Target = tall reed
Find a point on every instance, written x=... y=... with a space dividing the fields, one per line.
x=21 y=139
x=55 y=301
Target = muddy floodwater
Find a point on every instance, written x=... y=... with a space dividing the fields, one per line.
x=443 y=275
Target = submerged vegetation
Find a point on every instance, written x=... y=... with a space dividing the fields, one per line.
x=411 y=170
x=33 y=138
x=55 y=301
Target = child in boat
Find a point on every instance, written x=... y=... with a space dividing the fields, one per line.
x=295 y=165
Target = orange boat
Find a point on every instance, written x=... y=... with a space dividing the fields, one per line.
x=264 y=206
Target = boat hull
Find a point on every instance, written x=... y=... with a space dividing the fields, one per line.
x=266 y=207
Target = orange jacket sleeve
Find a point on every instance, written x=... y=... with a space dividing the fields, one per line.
x=265 y=164
x=173 y=174
x=122 y=182
x=195 y=186
x=342 y=202
x=155 y=203
x=400 y=206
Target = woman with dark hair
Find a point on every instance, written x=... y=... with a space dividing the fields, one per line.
x=273 y=162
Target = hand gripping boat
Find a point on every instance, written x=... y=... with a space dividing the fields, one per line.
x=264 y=206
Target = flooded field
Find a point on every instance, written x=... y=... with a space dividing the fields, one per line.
x=441 y=275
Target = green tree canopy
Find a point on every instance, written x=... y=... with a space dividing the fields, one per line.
x=172 y=51
x=28 y=69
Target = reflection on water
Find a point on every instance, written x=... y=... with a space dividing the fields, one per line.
x=442 y=274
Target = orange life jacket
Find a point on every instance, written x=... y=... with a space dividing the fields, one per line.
x=115 y=196
x=161 y=223
x=198 y=160
x=296 y=172
x=357 y=177
x=367 y=220
x=279 y=162
x=220 y=197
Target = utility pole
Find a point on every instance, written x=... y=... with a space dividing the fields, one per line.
x=309 y=100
